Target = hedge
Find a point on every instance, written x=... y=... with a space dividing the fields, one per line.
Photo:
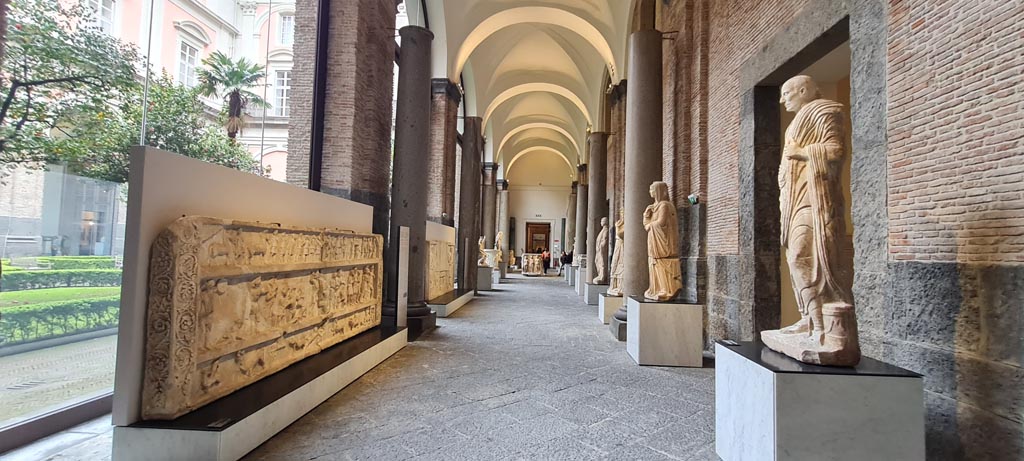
x=35 y=322
x=78 y=262
x=30 y=280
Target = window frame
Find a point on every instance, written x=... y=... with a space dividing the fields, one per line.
x=286 y=112
x=290 y=30
x=183 y=42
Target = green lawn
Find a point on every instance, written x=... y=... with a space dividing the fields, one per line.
x=21 y=298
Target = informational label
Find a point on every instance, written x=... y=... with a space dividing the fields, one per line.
x=403 y=277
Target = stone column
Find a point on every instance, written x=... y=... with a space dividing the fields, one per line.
x=581 y=214
x=597 y=197
x=469 y=206
x=570 y=222
x=489 y=199
x=409 y=204
x=444 y=111
x=503 y=226
x=643 y=161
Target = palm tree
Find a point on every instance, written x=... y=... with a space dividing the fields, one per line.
x=221 y=76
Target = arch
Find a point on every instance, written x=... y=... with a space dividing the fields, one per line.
x=536 y=15
x=572 y=169
x=537 y=87
x=193 y=31
x=527 y=126
x=262 y=19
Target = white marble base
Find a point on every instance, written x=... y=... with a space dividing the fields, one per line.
x=484 y=278
x=571 y=274
x=444 y=310
x=606 y=307
x=665 y=334
x=232 y=443
x=766 y=414
x=495 y=277
x=592 y=291
x=581 y=281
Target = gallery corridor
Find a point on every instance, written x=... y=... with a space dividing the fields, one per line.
x=525 y=372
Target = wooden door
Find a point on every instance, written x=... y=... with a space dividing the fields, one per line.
x=537 y=236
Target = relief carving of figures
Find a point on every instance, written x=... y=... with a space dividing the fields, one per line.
x=618 y=266
x=533 y=264
x=232 y=302
x=662 y=228
x=813 y=231
x=441 y=265
x=601 y=255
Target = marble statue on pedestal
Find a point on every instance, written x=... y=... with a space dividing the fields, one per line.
x=601 y=255
x=497 y=246
x=813 y=231
x=618 y=267
x=482 y=261
x=662 y=228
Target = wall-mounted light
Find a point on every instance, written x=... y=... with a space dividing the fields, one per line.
x=693 y=199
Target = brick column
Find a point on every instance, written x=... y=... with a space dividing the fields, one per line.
x=643 y=161
x=444 y=111
x=469 y=202
x=597 y=197
x=581 y=215
x=570 y=221
x=360 y=70
x=489 y=202
x=503 y=226
x=409 y=208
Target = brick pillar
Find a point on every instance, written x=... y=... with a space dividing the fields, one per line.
x=412 y=126
x=597 y=197
x=469 y=202
x=581 y=215
x=360 y=70
x=503 y=226
x=444 y=111
x=489 y=202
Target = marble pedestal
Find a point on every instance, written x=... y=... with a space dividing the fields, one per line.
x=566 y=274
x=771 y=407
x=484 y=278
x=592 y=291
x=571 y=274
x=495 y=277
x=450 y=302
x=665 y=333
x=607 y=305
x=228 y=428
x=581 y=281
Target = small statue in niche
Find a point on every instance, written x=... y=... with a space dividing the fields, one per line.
x=662 y=228
x=618 y=267
x=813 y=231
x=601 y=255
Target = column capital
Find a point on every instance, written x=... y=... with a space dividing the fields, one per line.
x=489 y=166
x=574 y=184
x=443 y=85
x=503 y=184
x=581 y=177
x=248 y=8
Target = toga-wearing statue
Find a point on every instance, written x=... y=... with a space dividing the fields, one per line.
x=813 y=231
x=666 y=280
x=601 y=255
x=618 y=266
x=497 y=246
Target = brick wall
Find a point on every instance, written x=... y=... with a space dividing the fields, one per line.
x=956 y=131
x=441 y=185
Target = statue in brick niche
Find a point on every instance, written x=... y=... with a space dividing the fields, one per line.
x=662 y=228
x=601 y=255
x=813 y=231
x=615 y=285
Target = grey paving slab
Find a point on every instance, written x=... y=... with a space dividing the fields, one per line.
x=524 y=373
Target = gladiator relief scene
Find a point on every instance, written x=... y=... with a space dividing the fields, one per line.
x=441 y=263
x=232 y=302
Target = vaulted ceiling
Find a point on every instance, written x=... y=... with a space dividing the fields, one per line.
x=534 y=70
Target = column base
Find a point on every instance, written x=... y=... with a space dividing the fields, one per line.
x=668 y=334
x=607 y=305
x=618 y=328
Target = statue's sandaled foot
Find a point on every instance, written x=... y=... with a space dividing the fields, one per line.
x=802 y=326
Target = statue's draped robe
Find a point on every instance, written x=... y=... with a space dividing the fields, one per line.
x=811 y=205
x=662 y=254
x=618 y=268
x=601 y=258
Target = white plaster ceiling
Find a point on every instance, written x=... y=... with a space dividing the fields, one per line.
x=538 y=68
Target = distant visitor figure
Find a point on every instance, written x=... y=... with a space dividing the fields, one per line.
x=662 y=228
x=814 y=231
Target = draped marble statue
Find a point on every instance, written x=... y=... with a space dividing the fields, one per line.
x=662 y=228
x=483 y=256
x=618 y=267
x=497 y=246
x=601 y=255
x=813 y=231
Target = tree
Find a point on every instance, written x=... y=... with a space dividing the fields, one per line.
x=60 y=72
x=226 y=78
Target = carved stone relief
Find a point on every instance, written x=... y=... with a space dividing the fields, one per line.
x=533 y=264
x=441 y=262
x=232 y=302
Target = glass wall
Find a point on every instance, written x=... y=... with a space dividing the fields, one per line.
x=85 y=81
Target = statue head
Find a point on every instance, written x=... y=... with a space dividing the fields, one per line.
x=604 y=222
x=659 y=191
x=798 y=91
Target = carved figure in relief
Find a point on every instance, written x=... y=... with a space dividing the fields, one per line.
x=601 y=255
x=662 y=228
x=618 y=266
x=813 y=231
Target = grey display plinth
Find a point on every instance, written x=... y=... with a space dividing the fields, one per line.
x=769 y=406
x=566 y=272
x=581 y=281
x=450 y=302
x=592 y=291
x=496 y=277
x=665 y=333
x=484 y=278
x=606 y=307
x=571 y=271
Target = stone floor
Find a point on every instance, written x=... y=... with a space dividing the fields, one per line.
x=524 y=372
